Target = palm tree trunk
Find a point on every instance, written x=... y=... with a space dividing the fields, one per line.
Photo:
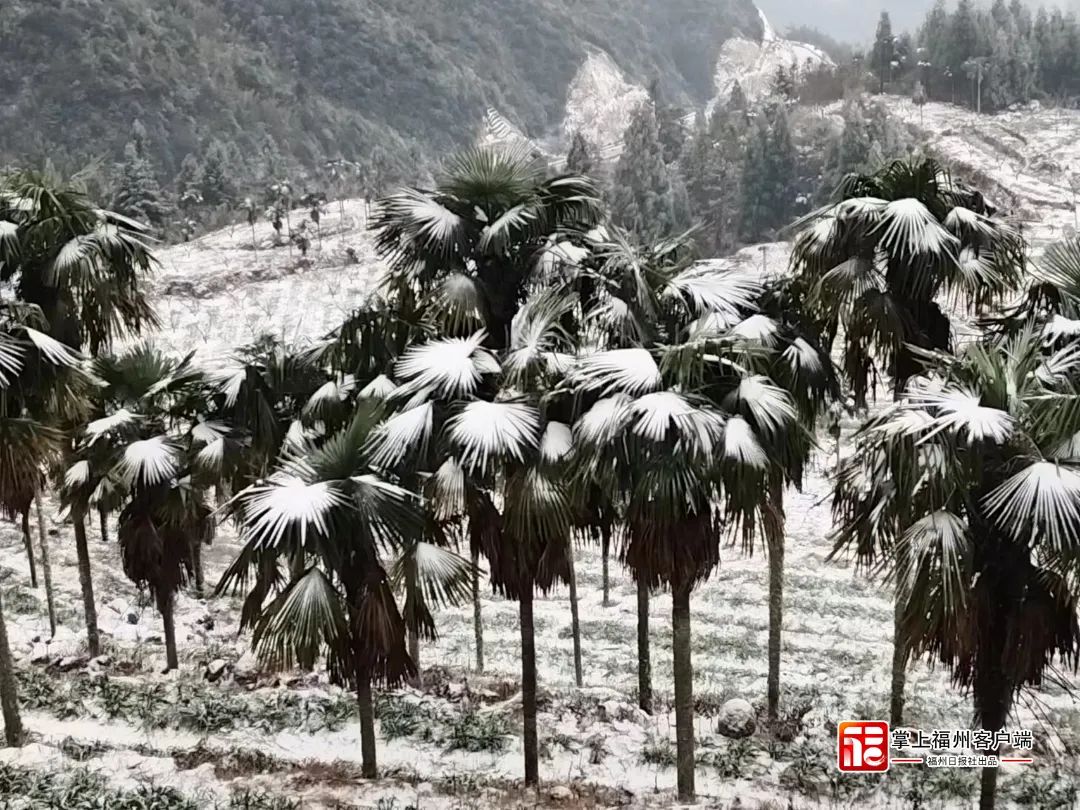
x=774 y=536
x=988 y=788
x=86 y=582
x=575 y=622
x=411 y=595
x=899 y=669
x=29 y=547
x=369 y=767
x=528 y=687
x=254 y=247
x=684 y=692
x=9 y=698
x=644 y=666
x=605 y=553
x=103 y=524
x=166 y=603
x=197 y=565
x=478 y=622
x=46 y=568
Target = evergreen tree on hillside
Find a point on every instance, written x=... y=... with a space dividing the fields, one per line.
x=851 y=151
x=963 y=35
x=884 y=51
x=215 y=184
x=581 y=159
x=669 y=124
x=768 y=198
x=643 y=200
x=712 y=185
x=138 y=193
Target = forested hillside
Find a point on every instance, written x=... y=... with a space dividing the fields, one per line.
x=298 y=81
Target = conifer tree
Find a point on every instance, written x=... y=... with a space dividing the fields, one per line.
x=138 y=193
x=643 y=200
x=215 y=184
x=884 y=51
x=581 y=159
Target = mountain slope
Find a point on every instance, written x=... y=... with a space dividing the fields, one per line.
x=323 y=77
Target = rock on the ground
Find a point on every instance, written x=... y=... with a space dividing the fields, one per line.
x=736 y=719
x=215 y=669
x=70 y=662
x=246 y=670
x=560 y=793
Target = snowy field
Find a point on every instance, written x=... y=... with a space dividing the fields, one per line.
x=249 y=737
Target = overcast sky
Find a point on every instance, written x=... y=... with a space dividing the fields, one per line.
x=854 y=21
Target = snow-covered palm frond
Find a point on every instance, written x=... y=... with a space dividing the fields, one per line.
x=1059 y=327
x=908 y=228
x=230 y=383
x=556 y=443
x=52 y=349
x=444 y=577
x=301 y=623
x=963 y=222
x=630 y=371
x=212 y=455
x=960 y=412
x=379 y=389
x=713 y=325
x=114 y=421
x=757 y=329
x=605 y=420
x=724 y=290
x=536 y=332
x=296 y=439
x=908 y=421
x=860 y=209
x=446 y=490
x=741 y=446
x=286 y=503
x=849 y=281
x=75 y=254
x=487 y=433
x=426 y=221
x=496 y=235
x=460 y=302
x=149 y=462
x=975 y=270
x=819 y=236
x=12 y=354
x=803 y=359
x=402 y=434
x=657 y=413
x=388 y=514
x=1068 y=449
x=207 y=432
x=1039 y=504
x=328 y=397
x=77 y=474
x=770 y=406
x=452 y=367
x=935 y=547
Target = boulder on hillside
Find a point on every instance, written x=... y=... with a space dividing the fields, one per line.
x=737 y=719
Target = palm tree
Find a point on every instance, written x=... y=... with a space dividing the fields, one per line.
x=146 y=445
x=83 y=266
x=40 y=385
x=968 y=492
x=331 y=518
x=794 y=358
x=689 y=424
x=83 y=269
x=476 y=241
x=877 y=261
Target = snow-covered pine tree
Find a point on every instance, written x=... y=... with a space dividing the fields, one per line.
x=138 y=193
x=642 y=198
x=581 y=158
